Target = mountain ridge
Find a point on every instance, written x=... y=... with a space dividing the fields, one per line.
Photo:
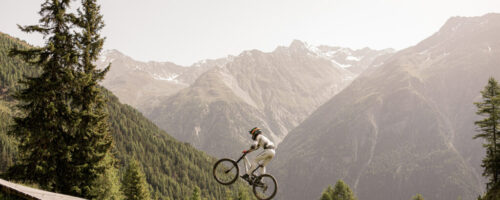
x=402 y=128
x=137 y=82
x=274 y=90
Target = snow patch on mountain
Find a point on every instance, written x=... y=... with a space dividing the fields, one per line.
x=200 y=63
x=353 y=58
x=339 y=64
x=171 y=77
x=332 y=55
x=349 y=77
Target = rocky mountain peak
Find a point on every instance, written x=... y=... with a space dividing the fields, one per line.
x=297 y=44
x=461 y=24
x=463 y=32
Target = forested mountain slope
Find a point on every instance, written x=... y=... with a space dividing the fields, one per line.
x=172 y=168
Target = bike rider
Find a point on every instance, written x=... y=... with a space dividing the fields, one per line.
x=263 y=158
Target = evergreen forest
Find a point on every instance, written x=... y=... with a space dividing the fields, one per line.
x=172 y=169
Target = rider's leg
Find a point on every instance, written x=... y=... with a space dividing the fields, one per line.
x=247 y=164
x=267 y=154
x=253 y=165
x=266 y=160
x=246 y=176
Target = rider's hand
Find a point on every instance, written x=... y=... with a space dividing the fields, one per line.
x=245 y=151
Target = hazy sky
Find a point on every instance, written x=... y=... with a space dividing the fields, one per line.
x=186 y=31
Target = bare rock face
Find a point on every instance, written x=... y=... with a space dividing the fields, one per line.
x=275 y=91
x=402 y=128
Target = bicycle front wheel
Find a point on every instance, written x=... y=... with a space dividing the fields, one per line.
x=265 y=187
x=226 y=171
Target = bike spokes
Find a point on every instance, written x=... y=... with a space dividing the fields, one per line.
x=225 y=171
x=264 y=187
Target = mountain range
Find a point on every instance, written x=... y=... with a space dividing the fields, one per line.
x=402 y=128
x=390 y=124
x=136 y=82
x=275 y=91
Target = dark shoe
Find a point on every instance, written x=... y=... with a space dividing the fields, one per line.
x=246 y=178
x=252 y=178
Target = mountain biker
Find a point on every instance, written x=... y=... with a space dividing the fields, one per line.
x=264 y=157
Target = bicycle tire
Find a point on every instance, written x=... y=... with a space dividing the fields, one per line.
x=256 y=185
x=228 y=163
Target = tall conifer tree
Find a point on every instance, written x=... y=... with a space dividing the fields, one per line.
x=196 y=194
x=340 y=191
x=46 y=130
x=134 y=184
x=489 y=126
x=229 y=195
x=64 y=135
x=327 y=194
x=93 y=140
x=242 y=194
x=417 y=197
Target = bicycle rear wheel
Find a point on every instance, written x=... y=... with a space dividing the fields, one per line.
x=265 y=187
x=226 y=171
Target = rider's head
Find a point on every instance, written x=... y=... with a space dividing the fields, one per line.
x=254 y=132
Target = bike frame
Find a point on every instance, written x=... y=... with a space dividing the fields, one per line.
x=246 y=164
x=260 y=181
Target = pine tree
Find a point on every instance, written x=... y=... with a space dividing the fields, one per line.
x=64 y=136
x=489 y=126
x=107 y=185
x=196 y=194
x=342 y=191
x=92 y=128
x=242 y=194
x=229 y=195
x=327 y=194
x=417 y=197
x=46 y=129
x=134 y=184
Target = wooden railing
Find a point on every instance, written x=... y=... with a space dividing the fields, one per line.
x=29 y=193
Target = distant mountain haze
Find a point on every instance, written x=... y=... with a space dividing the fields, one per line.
x=275 y=91
x=136 y=82
x=404 y=127
x=142 y=84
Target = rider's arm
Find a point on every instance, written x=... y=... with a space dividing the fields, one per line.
x=255 y=145
x=252 y=148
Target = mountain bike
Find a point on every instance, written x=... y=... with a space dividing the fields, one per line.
x=226 y=172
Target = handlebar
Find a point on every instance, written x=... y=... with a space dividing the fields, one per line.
x=239 y=159
x=242 y=156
